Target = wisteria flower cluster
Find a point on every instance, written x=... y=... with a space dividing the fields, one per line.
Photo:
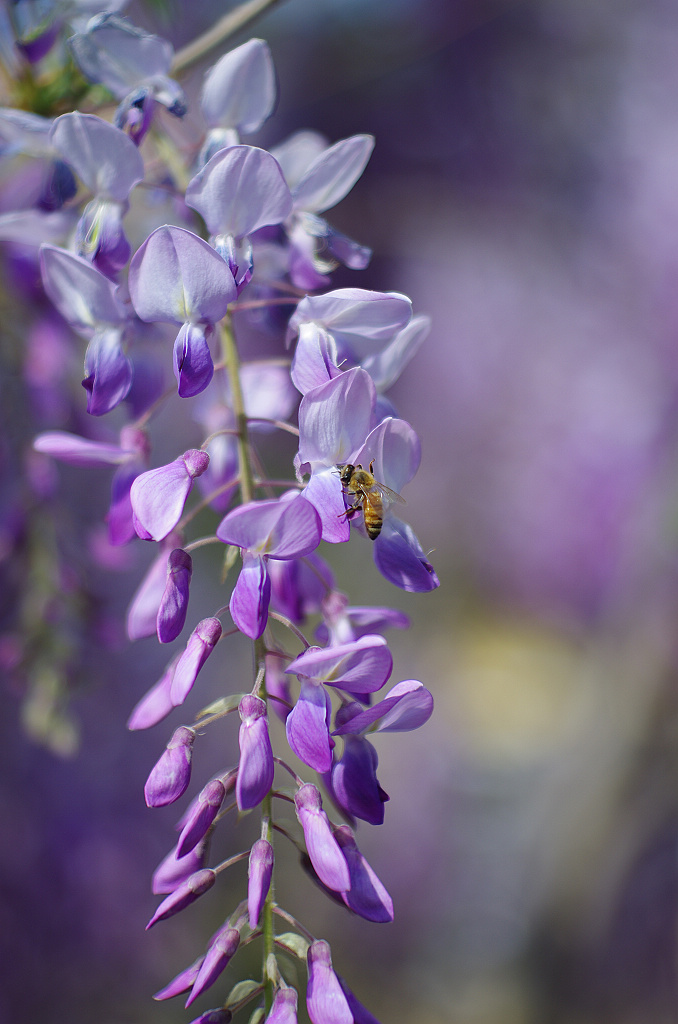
x=250 y=235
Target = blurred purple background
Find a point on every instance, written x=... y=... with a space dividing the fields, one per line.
x=524 y=192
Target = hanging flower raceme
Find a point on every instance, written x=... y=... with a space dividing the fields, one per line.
x=176 y=277
x=287 y=528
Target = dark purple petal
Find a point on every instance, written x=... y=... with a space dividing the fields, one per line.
x=156 y=704
x=307 y=726
x=361 y=666
x=354 y=782
x=185 y=894
x=367 y=896
x=218 y=1016
x=177 y=277
x=251 y=595
x=193 y=366
x=360 y=1014
x=174 y=602
x=203 y=813
x=221 y=950
x=399 y=557
x=171 y=775
x=259 y=876
x=200 y=645
x=108 y=372
x=256 y=768
x=325 y=1001
x=325 y=854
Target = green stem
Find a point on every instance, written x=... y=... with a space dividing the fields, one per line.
x=223 y=29
x=231 y=361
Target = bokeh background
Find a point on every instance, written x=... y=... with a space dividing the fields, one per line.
x=524 y=192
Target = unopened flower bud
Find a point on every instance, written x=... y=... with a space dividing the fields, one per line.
x=174 y=601
x=217 y=957
x=181 y=982
x=203 y=813
x=255 y=773
x=326 y=856
x=259 y=876
x=185 y=894
x=172 y=773
x=284 y=1009
x=198 y=649
x=325 y=1000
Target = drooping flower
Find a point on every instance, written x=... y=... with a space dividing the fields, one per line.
x=185 y=894
x=367 y=896
x=159 y=495
x=259 y=874
x=222 y=948
x=171 y=775
x=202 y=814
x=174 y=601
x=199 y=646
x=325 y=1000
x=255 y=771
x=325 y=853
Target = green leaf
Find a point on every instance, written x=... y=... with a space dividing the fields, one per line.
x=293 y=943
x=242 y=992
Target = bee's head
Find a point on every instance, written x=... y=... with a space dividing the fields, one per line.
x=345 y=474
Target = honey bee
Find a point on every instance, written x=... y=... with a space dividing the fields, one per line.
x=369 y=495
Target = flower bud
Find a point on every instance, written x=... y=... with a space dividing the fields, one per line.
x=198 y=649
x=325 y=1000
x=172 y=773
x=218 y=1016
x=217 y=957
x=181 y=982
x=259 y=876
x=203 y=813
x=255 y=773
x=159 y=495
x=173 y=870
x=284 y=1009
x=326 y=856
x=174 y=601
x=185 y=894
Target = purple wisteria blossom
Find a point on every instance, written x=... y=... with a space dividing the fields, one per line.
x=203 y=812
x=287 y=528
x=238 y=95
x=324 y=851
x=187 y=892
x=325 y=1000
x=255 y=774
x=221 y=949
x=174 y=601
x=200 y=645
x=158 y=496
x=176 y=277
x=259 y=875
x=171 y=775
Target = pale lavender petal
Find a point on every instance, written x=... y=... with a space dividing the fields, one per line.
x=307 y=727
x=121 y=56
x=396 y=451
x=367 y=896
x=325 y=1001
x=102 y=156
x=365 y=317
x=386 y=366
x=159 y=495
x=286 y=528
x=25 y=132
x=399 y=557
x=185 y=894
x=222 y=948
x=335 y=418
x=174 y=601
x=193 y=366
x=333 y=174
x=325 y=493
x=259 y=874
x=315 y=358
x=80 y=451
x=171 y=775
x=298 y=152
x=156 y=704
x=406 y=706
x=143 y=610
x=240 y=190
x=200 y=645
x=240 y=90
x=251 y=596
x=343 y=623
x=81 y=293
x=361 y=666
x=326 y=857
x=256 y=768
x=175 y=276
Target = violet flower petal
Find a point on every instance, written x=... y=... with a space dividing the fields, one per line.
x=333 y=174
x=251 y=596
x=159 y=495
x=156 y=704
x=286 y=528
x=205 y=810
x=400 y=558
x=284 y=1008
x=367 y=319
x=361 y=1015
x=406 y=706
x=325 y=854
x=80 y=451
x=315 y=358
x=142 y=614
x=222 y=949
x=367 y=896
x=173 y=870
x=200 y=645
x=102 y=156
x=395 y=449
x=193 y=366
x=174 y=602
x=181 y=982
x=177 y=277
x=355 y=785
x=361 y=666
x=81 y=293
x=240 y=90
x=259 y=874
x=335 y=418
x=325 y=1000
x=308 y=729
x=385 y=367
x=185 y=894
x=239 y=190
x=256 y=768
x=108 y=371
x=325 y=493
x=171 y=775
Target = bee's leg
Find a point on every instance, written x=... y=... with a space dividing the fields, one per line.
x=350 y=511
x=371 y=465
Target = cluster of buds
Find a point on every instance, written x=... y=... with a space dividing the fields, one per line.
x=262 y=245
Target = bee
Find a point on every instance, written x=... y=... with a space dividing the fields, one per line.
x=369 y=495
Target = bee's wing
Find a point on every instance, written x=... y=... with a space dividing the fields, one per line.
x=387 y=494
